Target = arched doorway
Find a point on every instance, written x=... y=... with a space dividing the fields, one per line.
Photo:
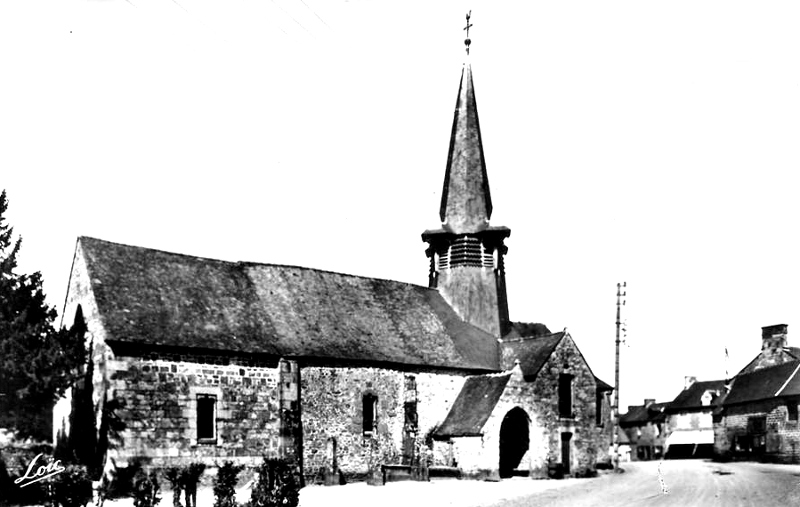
x=514 y=440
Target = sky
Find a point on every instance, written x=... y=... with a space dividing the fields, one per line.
x=652 y=143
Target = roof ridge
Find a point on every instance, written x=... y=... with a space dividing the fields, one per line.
x=535 y=337
x=779 y=391
x=251 y=263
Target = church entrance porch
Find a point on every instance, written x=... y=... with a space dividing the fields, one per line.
x=514 y=440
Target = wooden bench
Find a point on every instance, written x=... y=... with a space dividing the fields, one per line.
x=392 y=473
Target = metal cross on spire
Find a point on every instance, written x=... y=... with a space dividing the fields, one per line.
x=467 y=42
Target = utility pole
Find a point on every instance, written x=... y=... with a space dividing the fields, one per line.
x=621 y=293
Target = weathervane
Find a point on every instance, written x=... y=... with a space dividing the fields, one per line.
x=467 y=41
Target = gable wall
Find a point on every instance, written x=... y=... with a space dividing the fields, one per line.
x=539 y=399
x=589 y=442
x=331 y=399
x=79 y=294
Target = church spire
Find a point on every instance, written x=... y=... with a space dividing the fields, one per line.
x=466 y=202
x=466 y=255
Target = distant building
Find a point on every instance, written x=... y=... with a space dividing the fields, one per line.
x=758 y=418
x=644 y=427
x=689 y=417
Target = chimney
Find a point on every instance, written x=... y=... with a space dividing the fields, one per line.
x=773 y=338
x=649 y=401
x=688 y=381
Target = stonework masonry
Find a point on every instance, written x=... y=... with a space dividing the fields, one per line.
x=734 y=433
x=589 y=441
x=479 y=456
x=158 y=400
x=332 y=399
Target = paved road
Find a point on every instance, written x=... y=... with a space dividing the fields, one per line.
x=691 y=483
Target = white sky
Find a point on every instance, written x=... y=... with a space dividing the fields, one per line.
x=647 y=142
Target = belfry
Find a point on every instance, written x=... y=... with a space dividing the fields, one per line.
x=466 y=253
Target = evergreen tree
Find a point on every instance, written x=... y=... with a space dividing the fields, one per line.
x=37 y=362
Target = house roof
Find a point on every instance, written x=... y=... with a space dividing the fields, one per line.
x=792 y=352
x=152 y=297
x=765 y=383
x=602 y=386
x=641 y=414
x=473 y=406
x=691 y=398
x=533 y=352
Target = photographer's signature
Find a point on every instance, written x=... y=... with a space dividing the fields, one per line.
x=41 y=473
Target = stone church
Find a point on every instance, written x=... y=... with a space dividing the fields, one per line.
x=207 y=360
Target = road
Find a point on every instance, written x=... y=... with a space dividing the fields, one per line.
x=690 y=483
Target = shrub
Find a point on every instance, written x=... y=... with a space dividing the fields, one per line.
x=121 y=483
x=276 y=485
x=145 y=489
x=173 y=475
x=225 y=485
x=72 y=487
x=190 y=476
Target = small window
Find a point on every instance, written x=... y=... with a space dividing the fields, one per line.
x=206 y=418
x=598 y=409
x=369 y=413
x=565 y=395
x=791 y=407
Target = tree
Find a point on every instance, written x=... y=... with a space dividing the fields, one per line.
x=37 y=362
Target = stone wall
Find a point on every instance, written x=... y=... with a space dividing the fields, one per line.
x=539 y=399
x=646 y=435
x=589 y=441
x=734 y=435
x=79 y=297
x=158 y=402
x=332 y=414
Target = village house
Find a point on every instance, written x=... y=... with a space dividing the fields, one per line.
x=207 y=360
x=689 y=419
x=758 y=418
x=644 y=427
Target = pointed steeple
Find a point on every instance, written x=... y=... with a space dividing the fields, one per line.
x=466 y=254
x=466 y=201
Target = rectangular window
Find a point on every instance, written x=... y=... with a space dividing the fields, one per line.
x=369 y=413
x=791 y=407
x=598 y=409
x=565 y=395
x=206 y=417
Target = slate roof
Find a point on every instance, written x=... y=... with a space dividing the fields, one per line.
x=793 y=352
x=638 y=415
x=473 y=406
x=533 y=353
x=602 y=386
x=152 y=297
x=525 y=329
x=766 y=383
x=690 y=399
